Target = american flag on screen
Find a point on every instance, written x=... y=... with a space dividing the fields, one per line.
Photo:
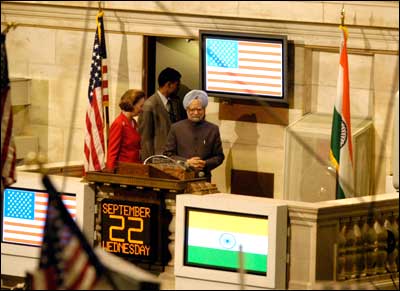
x=97 y=98
x=244 y=67
x=25 y=215
x=67 y=261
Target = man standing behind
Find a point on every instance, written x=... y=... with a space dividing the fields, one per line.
x=194 y=141
x=159 y=111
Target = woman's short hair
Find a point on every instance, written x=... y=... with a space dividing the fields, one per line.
x=130 y=98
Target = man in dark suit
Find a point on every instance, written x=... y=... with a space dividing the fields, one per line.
x=195 y=141
x=159 y=111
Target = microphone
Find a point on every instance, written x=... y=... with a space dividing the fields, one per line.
x=186 y=167
x=183 y=164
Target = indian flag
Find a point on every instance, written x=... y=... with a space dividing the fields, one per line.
x=214 y=240
x=341 y=153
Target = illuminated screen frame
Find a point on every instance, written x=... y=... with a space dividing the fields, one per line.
x=40 y=207
x=16 y=259
x=275 y=210
x=216 y=229
x=238 y=67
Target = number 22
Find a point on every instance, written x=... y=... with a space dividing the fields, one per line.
x=130 y=230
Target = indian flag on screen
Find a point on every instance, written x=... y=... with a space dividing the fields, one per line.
x=214 y=240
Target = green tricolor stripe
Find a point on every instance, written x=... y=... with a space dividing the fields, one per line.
x=228 y=259
x=339 y=192
x=335 y=139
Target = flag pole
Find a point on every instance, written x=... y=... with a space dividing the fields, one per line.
x=97 y=112
x=341 y=154
x=342 y=16
x=337 y=169
x=105 y=101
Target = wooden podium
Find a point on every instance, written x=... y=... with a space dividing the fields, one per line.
x=135 y=209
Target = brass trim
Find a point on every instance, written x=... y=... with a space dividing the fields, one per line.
x=356 y=51
x=107 y=178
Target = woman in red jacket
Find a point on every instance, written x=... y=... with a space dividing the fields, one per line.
x=124 y=138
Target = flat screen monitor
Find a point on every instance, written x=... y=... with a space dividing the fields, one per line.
x=24 y=208
x=220 y=235
x=24 y=214
x=213 y=239
x=244 y=66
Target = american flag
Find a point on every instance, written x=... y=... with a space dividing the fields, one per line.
x=24 y=215
x=244 y=67
x=67 y=261
x=8 y=150
x=98 y=97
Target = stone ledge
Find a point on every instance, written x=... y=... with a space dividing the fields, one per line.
x=175 y=24
x=351 y=207
x=357 y=13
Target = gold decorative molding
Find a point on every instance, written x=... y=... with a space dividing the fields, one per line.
x=355 y=51
x=359 y=13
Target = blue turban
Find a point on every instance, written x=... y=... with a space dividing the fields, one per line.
x=195 y=94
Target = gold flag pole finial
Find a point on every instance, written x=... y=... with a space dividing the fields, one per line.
x=9 y=26
x=342 y=16
x=100 y=6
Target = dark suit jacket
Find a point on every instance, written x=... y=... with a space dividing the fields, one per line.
x=154 y=124
x=187 y=139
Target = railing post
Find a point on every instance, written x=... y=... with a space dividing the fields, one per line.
x=381 y=245
x=392 y=251
x=370 y=239
x=359 y=249
x=341 y=251
x=350 y=250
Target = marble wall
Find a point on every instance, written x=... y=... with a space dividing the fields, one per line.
x=52 y=47
x=58 y=64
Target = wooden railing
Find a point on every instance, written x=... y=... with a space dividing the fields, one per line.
x=349 y=241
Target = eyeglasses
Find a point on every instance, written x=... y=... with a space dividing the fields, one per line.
x=191 y=110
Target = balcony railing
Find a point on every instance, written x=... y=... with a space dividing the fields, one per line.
x=342 y=242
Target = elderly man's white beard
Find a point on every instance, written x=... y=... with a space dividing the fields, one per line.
x=196 y=119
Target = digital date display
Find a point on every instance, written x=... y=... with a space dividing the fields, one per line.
x=130 y=228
